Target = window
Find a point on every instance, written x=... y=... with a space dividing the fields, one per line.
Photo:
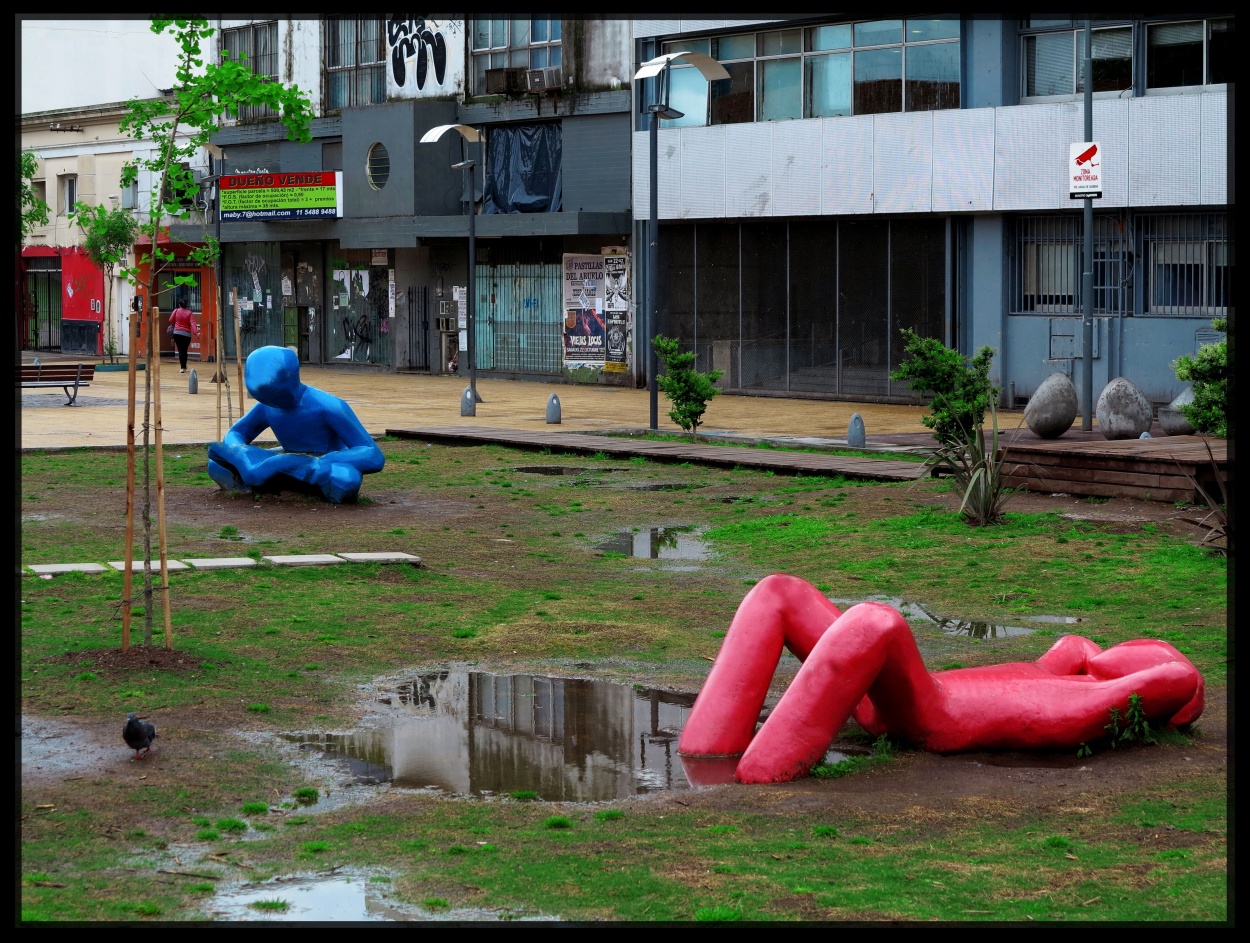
x=256 y=46
x=355 y=57
x=69 y=193
x=869 y=67
x=1046 y=265
x=1187 y=265
x=532 y=43
x=130 y=196
x=1198 y=52
x=1054 y=58
x=378 y=166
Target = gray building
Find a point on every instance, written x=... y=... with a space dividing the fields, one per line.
x=857 y=176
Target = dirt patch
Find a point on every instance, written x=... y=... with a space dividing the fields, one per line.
x=136 y=658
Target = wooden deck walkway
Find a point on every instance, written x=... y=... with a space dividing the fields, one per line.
x=807 y=463
x=1156 y=469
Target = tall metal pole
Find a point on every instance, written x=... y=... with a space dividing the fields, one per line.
x=1087 y=272
x=471 y=302
x=653 y=263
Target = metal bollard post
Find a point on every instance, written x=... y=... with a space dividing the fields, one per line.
x=553 y=409
x=468 y=404
x=193 y=382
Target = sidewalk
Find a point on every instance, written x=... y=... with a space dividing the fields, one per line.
x=388 y=401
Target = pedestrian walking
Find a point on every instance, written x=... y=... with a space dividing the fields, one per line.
x=181 y=328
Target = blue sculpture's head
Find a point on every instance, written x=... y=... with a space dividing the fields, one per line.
x=272 y=376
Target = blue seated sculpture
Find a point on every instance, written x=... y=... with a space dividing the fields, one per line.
x=323 y=446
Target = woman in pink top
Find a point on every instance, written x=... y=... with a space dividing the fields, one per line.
x=181 y=327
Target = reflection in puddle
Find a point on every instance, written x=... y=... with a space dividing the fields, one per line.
x=565 y=739
x=326 y=897
x=968 y=628
x=658 y=543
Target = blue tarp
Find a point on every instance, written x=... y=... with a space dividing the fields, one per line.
x=523 y=169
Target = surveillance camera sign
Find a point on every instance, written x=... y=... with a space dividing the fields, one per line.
x=1085 y=170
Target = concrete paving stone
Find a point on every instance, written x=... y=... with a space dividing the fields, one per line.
x=221 y=563
x=306 y=559
x=381 y=557
x=53 y=568
x=136 y=566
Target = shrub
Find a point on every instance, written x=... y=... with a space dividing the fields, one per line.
x=962 y=391
x=687 y=389
x=976 y=468
x=1211 y=374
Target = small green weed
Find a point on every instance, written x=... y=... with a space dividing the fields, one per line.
x=275 y=904
x=464 y=633
x=306 y=794
x=232 y=825
x=147 y=909
x=229 y=532
x=201 y=889
x=85 y=676
x=609 y=815
x=720 y=914
x=825 y=831
x=524 y=795
x=435 y=903
x=255 y=808
x=315 y=847
x=557 y=821
x=207 y=834
x=259 y=708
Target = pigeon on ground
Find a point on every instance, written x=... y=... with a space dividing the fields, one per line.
x=139 y=735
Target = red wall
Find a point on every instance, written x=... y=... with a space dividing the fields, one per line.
x=82 y=287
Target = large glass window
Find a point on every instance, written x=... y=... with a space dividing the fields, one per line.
x=1054 y=60
x=835 y=69
x=1187 y=265
x=355 y=55
x=1197 y=52
x=256 y=46
x=534 y=42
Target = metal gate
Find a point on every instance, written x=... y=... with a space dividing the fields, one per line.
x=519 y=318
x=418 y=327
x=41 y=317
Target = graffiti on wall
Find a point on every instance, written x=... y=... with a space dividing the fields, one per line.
x=420 y=39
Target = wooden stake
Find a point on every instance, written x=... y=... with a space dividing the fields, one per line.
x=220 y=364
x=128 y=574
x=160 y=485
x=238 y=352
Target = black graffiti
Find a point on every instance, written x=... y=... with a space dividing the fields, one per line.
x=408 y=37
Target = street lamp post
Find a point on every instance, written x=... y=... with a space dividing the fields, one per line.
x=658 y=68
x=471 y=135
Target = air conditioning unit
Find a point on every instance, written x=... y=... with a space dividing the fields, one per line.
x=504 y=81
x=542 y=80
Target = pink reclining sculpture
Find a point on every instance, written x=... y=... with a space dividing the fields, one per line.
x=865 y=662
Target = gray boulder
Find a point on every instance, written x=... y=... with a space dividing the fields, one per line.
x=1052 y=408
x=1172 y=419
x=1123 y=412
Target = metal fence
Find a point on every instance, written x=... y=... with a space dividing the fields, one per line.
x=807 y=307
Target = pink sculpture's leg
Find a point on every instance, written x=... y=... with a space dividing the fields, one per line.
x=779 y=610
x=869 y=650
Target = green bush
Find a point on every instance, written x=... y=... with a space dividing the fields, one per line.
x=961 y=390
x=1211 y=374
x=686 y=388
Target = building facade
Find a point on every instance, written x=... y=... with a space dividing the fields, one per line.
x=856 y=176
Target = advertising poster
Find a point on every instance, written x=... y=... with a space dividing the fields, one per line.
x=585 y=323
x=616 y=308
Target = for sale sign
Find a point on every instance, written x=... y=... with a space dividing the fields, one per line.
x=266 y=196
x=1085 y=170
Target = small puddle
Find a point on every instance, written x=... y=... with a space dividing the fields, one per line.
x=658 y=543
x=563 y=739
x=967 y=628
x=333 y=897
x=667 y=486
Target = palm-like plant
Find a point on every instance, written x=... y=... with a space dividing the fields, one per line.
x=976 y=466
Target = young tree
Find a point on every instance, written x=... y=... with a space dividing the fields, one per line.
x=179 y=125
x=1211 y=373
x=32 y=212
x=687 y=389
x=961 y=390
x=109 y=236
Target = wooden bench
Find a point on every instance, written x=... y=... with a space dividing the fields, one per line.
x=68 y=376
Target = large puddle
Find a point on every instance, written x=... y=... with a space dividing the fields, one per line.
x=559 y=739
x=658 y=543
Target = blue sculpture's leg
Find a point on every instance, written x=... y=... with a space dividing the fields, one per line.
x=225 y=476
x=343 y=484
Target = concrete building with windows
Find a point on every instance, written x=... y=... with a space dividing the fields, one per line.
x=858 y=175
x=377 y=285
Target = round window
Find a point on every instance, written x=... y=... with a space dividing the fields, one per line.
x=378 y=166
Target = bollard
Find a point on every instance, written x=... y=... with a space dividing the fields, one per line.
x=1144 y=435
x=855 y=436
x=193 y=382
x=468 y=404
x=553 y=410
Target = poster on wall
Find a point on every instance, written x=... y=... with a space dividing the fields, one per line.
x=585 y=323
x=616 y=308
